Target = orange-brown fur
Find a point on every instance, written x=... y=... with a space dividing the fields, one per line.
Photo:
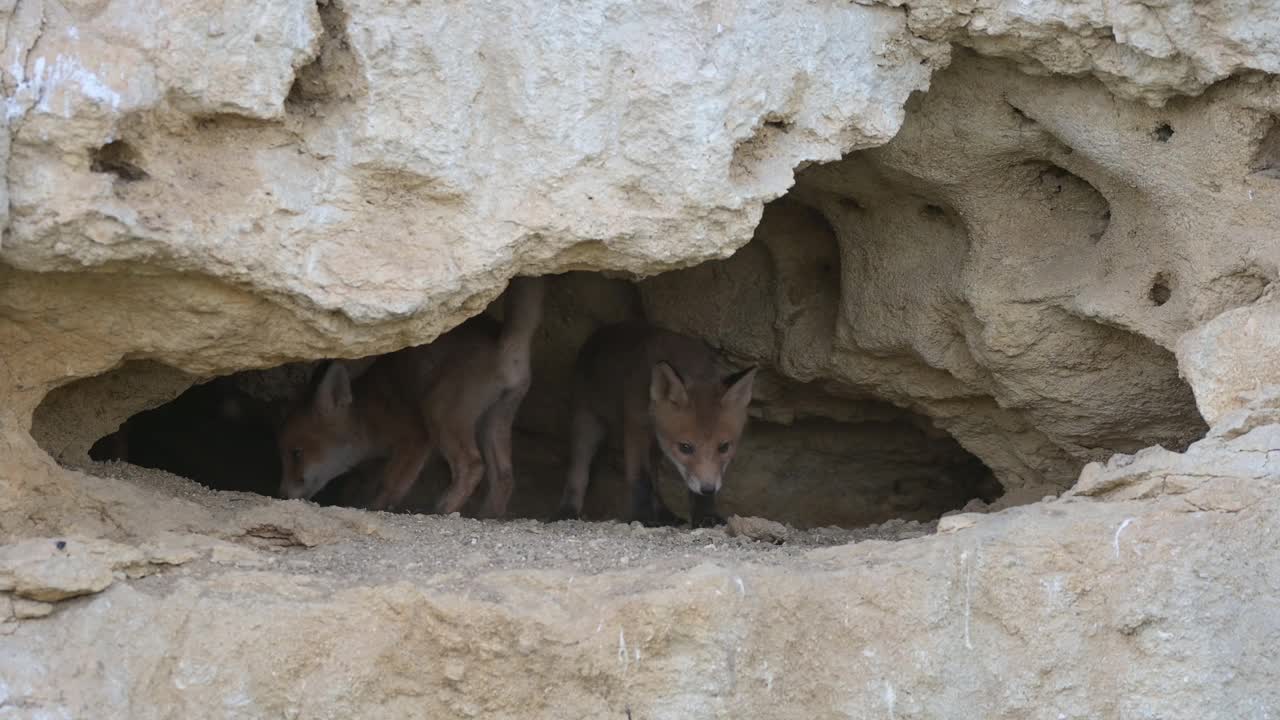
x=661 y=393
x=458 y=394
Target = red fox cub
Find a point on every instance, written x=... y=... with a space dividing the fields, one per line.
x=659 y=391
x=459 y=394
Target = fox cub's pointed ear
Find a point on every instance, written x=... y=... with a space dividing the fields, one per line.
x=737 y=394
x=334 y=391
x=666 y=386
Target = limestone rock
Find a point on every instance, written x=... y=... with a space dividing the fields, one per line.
x=1232 y=359
x=1023 y=289
x=756 y=528
x=1010 y=617
x=1060 y=256
x=960 y=521
x=50 y=570
x=1214 y=470
x=375 y=130
x=53 y=569
x=1140 y=50
x=24 y=609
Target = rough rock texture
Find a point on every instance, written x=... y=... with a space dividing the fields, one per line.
x=216 y=188
x=1096 y=605
x=1233 y=358
x=1064 y=249
x=394 y=173
x=1017 y=264
x=1147 y=51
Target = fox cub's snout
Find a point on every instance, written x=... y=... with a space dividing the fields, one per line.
x=317 y=441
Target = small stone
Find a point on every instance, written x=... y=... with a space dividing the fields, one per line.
x=24 y=609
x=953 y=523
x=37 y=570
x=454 y=670
x=759 y=529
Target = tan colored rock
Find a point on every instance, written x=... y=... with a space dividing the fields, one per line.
x=215 y=194
x=49 y=570
x=1139 y=50
x=1011 y=617
x=360 y=235
x=340 y=158
x=1233 y=359
x=1009 y=260
x=53 y=569
x=1023 y=289
x=960 y=521
x=756 y=528
x=1229 y=459
x=24 y=609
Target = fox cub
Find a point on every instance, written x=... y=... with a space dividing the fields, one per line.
x=458 y=394
x=660 y=392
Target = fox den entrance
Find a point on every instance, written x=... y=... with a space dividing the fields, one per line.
x=809 y=456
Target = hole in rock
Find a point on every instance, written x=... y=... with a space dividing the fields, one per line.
x=906 y=362
x=1022 y=117
x=809 y=458
x=118 y=158
x=1162 y=133
x=334 y=75
x=1266 y=160
x=933 y=211
x=1072 y=201
x=1160 y=291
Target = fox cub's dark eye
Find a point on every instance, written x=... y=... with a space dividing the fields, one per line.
x=724 y=448
x=685 y=448
x=296 y=454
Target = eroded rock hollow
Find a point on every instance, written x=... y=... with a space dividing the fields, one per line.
x=978 y=252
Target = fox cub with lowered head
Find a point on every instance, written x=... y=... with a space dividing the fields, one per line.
x=458 y=394
x=660 y=392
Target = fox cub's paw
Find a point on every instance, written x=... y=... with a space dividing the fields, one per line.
x=567 y=512
x=708 y=520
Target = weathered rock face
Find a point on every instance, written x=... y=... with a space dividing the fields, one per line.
x=1100 y=604
x=344 y=183
x=1064 y=249
x=348 y=160
x=999 y=268
x=1139 y=51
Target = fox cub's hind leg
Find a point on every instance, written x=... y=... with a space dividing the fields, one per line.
x=495 y=445
x=466 y=465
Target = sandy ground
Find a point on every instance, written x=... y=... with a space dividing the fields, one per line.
x=440 y=551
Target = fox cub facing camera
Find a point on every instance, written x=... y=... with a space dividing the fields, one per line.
x=660 y=393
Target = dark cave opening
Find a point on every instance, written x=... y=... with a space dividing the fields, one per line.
x=865 y=464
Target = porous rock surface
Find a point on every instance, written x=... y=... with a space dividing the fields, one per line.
x=1148 y=592
x=1065 y=249
x=1019 y=264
